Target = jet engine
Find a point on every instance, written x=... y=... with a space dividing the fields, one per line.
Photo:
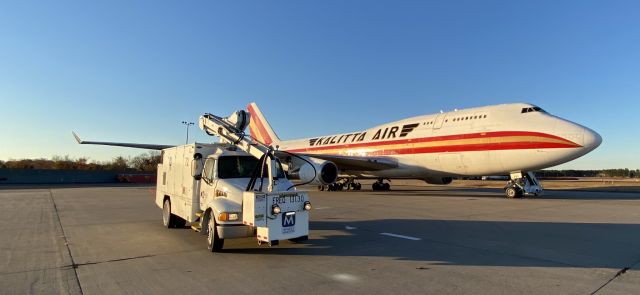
x=313 y=170
x=438 y=180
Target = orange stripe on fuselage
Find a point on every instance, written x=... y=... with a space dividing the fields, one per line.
x=509 y=140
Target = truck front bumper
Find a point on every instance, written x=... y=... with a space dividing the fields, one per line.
x=233 y=231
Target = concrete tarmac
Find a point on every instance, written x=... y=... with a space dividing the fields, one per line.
x=412 y=240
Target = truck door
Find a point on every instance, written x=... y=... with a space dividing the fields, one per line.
x=208 y=181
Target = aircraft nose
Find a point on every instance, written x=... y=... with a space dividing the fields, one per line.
x=591 y=139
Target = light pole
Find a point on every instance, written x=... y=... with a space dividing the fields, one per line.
x=187 y=124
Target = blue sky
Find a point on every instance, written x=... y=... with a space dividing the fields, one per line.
x=133 y=70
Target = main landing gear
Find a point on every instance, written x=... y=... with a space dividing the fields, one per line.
x=341 y=184
x=380 y=185
x=523 y=184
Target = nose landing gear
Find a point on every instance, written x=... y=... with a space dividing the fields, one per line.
x=523 y=184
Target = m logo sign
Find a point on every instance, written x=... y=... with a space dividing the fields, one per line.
x=288 y=219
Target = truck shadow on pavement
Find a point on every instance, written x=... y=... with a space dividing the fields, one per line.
x=472 y=243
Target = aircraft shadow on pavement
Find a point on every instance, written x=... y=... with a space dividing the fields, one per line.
x=472 y=243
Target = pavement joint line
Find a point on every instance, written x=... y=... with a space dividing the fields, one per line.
x=617 y=275
x=401 y=236
x=35 y=270
x=111 y=260
x=66 y=241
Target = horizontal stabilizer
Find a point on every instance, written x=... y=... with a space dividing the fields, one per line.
x=123 y=144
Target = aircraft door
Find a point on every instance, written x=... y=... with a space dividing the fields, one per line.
x=437 y=124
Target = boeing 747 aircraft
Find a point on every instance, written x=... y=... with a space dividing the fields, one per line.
x=492 y=140
x=510 y=139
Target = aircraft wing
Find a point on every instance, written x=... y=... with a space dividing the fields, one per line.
x=353 y=163
x=124 y=144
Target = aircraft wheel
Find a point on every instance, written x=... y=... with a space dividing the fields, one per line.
x=214 y=242
x=511 y=192
x=386 y=186
x=321 y=187
x=358 y=186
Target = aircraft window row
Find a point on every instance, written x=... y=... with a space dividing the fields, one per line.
x=469 y=118
x=532 y=109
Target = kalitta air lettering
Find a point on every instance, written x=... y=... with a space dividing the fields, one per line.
x=338 y=139
x=394 y=132
x=382 y=133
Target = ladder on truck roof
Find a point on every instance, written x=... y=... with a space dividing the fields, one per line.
x=231 y=129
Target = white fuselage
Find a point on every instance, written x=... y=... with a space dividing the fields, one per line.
x=488 y=140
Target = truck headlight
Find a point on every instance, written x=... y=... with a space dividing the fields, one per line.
x=307 y=205
x=228 y=216
x=275 y=209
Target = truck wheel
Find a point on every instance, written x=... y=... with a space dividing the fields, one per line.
x=299 y=239
x=511 y=192
x=168 y=219
x=214 y=242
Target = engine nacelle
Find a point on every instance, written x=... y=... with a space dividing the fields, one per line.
x=325 y=172
x=438 y=180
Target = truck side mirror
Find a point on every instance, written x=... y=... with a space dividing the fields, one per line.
x=196 y=167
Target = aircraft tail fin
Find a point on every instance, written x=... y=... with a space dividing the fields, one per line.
x=259 y=127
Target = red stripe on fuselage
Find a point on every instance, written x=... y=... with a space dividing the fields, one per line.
x=380 y=145
x=470 y=148
x=263 y=134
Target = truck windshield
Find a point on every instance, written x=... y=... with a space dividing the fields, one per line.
x=241 y=167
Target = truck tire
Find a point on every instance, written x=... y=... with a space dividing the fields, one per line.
x=168 y=219
x=299 y=239
x=214 y=242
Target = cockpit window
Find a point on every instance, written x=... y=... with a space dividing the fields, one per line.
x=532 y=109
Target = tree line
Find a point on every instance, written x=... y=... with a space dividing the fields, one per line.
x=590 y=173
x=149 y=161
x=146 y=162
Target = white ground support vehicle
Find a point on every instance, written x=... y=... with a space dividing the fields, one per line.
x=233 y=189
x=206 y=186
x=523 y=185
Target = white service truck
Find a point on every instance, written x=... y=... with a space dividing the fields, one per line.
x=233 y=189
x=208 y=186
